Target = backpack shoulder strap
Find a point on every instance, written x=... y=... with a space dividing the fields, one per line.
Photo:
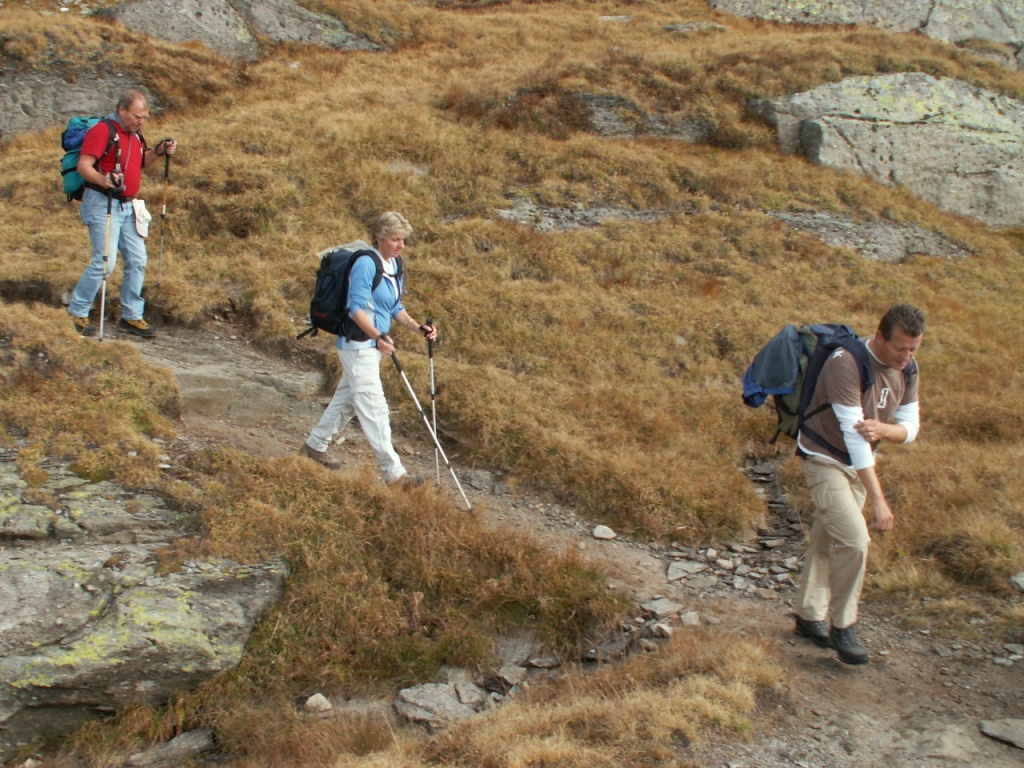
x=399 y=272
x=378 y=265
x=113 y=141
x=910 y=372
x=860 y=353
x=822 y=352
x=115 y=138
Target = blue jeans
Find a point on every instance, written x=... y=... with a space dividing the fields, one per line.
x=123 y=236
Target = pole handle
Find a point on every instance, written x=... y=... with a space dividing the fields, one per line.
x=430 y=343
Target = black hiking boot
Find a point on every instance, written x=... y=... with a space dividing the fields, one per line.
x=817 y=631
x=847 y=645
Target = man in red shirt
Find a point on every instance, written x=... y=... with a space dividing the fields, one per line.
x=112 y=180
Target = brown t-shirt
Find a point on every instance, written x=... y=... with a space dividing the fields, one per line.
x=839 y=384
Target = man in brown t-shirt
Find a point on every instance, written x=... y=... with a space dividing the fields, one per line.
x=836 y=447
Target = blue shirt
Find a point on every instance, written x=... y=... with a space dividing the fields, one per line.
x=381 y=303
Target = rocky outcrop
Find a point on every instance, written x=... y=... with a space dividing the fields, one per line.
x=32 y=101
x=955 y=21
x=616 y=117
x=884 y=241
x=234 y=27
x=87 y=623
x=548 y=219
x=958 y=146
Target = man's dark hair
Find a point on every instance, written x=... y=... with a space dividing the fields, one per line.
x=908 y=319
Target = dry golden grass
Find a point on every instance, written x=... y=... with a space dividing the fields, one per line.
x=68 y=45
x=602 y=365
x=638 y=714
x=599 y=364
x=95 y=405
x=645 y=712
x=384 y=586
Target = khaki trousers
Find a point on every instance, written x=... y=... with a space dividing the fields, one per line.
x=837 y=550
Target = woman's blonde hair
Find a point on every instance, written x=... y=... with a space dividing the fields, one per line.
x=390 y=223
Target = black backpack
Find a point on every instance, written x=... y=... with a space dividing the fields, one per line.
x=327 y=310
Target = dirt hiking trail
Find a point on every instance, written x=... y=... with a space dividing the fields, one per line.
x=920 y=702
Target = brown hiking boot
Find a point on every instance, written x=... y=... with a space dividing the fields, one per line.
x=83 y=326
x=320 y=457
x=406 y=482
x=138 y=327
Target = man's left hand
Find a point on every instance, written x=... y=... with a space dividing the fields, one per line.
x=872 y=430
x=884 y=517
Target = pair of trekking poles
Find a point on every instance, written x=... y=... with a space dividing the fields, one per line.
x=106 y=237
x=438 y=450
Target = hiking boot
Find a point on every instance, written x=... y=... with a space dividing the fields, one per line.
x=813 y=630
x=139 y=327
x=406 y=482
x=320 y=457
x=83 y=326
x=847 y=645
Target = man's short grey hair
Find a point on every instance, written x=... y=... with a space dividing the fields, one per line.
x=390 y=223
x=130 y=96
x=908 y=319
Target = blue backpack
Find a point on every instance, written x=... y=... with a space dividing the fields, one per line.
x=71 y=140
x=787 y=369
x=327 y=310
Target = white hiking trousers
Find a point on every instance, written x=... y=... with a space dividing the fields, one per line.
x=360 y=394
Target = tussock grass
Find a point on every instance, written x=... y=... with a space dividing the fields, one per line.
x=68 y=45
x=645 y=713
x=384 y=586
x=97 y=405
x=602 y=365
x=109 y=744
x=599 y=364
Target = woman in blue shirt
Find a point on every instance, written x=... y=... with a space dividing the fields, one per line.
x=360 y=393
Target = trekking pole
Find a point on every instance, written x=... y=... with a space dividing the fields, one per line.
x=106 y=251
x=163 y=215
x=433 y=399
x=433 y=434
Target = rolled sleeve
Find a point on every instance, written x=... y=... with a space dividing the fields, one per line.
x=908 y=416
x=861 y=455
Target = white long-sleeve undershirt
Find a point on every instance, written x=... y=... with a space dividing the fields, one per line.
x=861 y=454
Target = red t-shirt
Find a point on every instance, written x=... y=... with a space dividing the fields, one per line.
x=133 y=146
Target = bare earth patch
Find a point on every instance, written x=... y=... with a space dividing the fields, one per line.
x=918 y=703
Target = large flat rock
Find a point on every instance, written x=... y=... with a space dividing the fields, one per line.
x=234 y=27
x=954 y=21
x=951 y=143
x=86 y=619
